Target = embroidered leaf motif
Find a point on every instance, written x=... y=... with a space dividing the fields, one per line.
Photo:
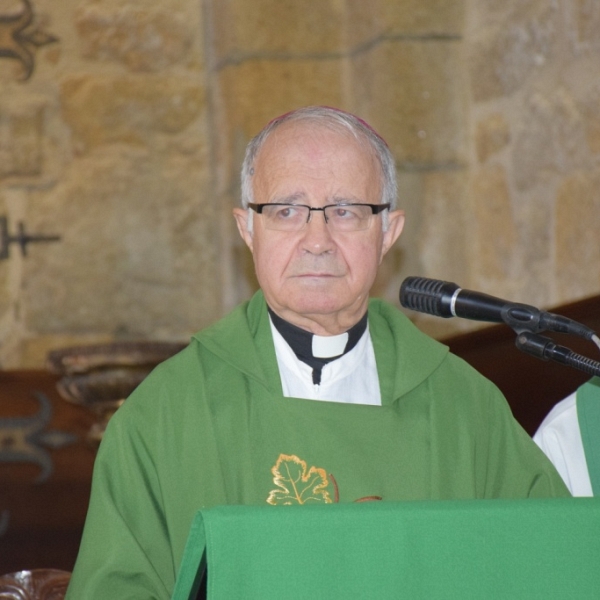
x=297 y=484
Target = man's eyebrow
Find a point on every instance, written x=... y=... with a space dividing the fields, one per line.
x=345 y=200
x=291 y=199
x=300 y=197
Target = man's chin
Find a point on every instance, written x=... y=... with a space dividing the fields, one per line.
x=317 y=304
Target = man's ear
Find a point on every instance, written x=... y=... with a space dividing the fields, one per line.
x=392 y=233
x=241 y=219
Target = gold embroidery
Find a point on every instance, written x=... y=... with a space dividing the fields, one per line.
x=297 y=484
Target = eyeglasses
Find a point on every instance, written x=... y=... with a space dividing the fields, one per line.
x=340 y=217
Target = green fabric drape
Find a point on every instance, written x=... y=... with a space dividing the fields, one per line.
x=440 y=550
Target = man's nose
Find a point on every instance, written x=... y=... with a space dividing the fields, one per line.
x=316 y=236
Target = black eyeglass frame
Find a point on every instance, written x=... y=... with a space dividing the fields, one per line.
x=375 y=208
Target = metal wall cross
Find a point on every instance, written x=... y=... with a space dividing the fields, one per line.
x=21 y=239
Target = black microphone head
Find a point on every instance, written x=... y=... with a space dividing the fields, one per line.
x=429 y=296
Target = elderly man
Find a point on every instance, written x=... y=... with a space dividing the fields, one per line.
x=310 y=392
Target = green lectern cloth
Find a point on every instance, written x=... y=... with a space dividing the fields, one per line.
x=509 y=549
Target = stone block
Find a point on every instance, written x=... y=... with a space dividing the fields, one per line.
x=412 y=94
x=490 y=12
x=506 y=53
x=577 y=223
x=444 y=233
x=494 y=250
x=365 y=23
x=21 y=139
x=142 y=37
x=415 y=17
x=587 y=22
x=139 y=249
x=492 y=134
x=548 y=139
x=131 y=110
x=530 y=280
x=268 y=28
x=591 y=120
x=284 y=27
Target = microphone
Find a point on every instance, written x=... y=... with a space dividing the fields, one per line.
x=446 y=299
x=545 y=348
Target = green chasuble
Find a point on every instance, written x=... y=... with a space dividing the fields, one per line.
x=211 y=426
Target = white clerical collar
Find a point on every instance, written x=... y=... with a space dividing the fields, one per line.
x=329 y=346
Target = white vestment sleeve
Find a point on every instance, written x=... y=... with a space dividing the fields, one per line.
x=560 y=439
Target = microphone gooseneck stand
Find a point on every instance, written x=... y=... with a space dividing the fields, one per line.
x=446 y=299
x=543 y=347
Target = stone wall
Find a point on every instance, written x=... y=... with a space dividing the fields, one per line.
x=534 y=70
x=126 y=140
x=108 y=147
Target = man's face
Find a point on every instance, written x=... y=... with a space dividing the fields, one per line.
x=317 y=278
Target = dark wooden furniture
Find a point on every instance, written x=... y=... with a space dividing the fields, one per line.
x=39 y=584
x=48 y=444
x=45 y=473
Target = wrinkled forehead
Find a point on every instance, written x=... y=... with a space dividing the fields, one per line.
x=307 y=158
x=314 y=139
